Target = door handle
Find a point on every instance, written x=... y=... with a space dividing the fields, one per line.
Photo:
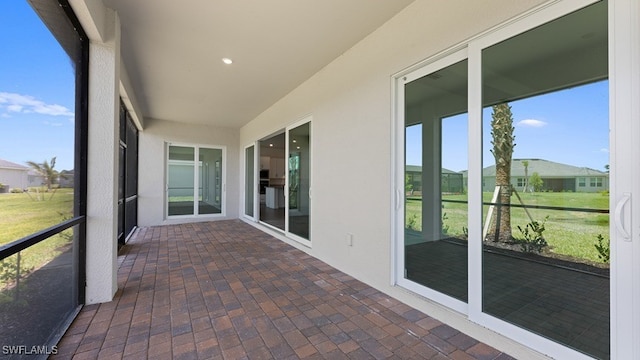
x=619 y=216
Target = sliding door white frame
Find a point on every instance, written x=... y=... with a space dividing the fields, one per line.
x=624 y=95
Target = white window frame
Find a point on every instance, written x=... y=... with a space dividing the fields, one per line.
x=256 y=176
x=582 y=182
x=416 y=72
x=296 y=238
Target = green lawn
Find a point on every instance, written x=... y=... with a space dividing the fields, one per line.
x=567 y=232
x=23 y=214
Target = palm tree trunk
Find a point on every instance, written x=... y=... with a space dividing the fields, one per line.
x=503 y=144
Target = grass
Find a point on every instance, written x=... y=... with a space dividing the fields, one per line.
x=570 y=233
x=23 y=214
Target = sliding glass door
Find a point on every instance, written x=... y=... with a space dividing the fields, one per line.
x=502 y=181
x=545 y=158
x=435 y=200
x=299 y=180
x=284 y=182
x=195 y=182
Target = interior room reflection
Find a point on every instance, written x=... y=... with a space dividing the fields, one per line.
x=272 y=181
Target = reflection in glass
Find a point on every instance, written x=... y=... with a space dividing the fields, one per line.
x=548 y=88
x=249 y=181
x=181 y=180
x=435 y=196
x=299 y=180
x=272 y=181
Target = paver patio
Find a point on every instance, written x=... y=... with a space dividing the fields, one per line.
x=225 y=290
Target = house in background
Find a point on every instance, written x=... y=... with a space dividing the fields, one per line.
x=66 y=178
x=13 y=175
x=451 y=182
x=556 y=177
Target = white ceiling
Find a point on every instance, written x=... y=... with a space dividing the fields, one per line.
x=172 y=51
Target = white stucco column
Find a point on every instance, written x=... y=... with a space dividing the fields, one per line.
x=104 y=103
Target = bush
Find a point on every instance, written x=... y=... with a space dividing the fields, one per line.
x=445 y=227
x=532 y=240
x=412 y=222
x=603 y=249
x=16 y=191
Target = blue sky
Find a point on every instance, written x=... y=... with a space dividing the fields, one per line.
x=569 y=126
x=37 y=92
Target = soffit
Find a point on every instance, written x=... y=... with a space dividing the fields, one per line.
x=172 y=51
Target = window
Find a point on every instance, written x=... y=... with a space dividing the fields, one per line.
x=582 y=182
x=520 y=182
x=595 y=182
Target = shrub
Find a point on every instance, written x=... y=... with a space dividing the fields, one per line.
x=445 y=228
x=16 y=191
x=603 y=249
x=412 y=222
x=532 y=239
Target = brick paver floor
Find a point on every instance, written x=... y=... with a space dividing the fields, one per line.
x=225 y=290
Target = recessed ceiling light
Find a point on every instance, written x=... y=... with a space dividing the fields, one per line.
x=227 y=61
x=294 y=140
x=271 y=145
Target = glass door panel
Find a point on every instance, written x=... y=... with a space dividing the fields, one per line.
x=181 y=176
x=545 y=181
x=435 y=206
x=210 y=184
x=249 y=185
x=272 y=154
x=299 y=180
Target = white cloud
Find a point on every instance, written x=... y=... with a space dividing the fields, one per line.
x=532 y=123
x=604 y=150
x=14 y=108
x=28 y=104
x=54 y=124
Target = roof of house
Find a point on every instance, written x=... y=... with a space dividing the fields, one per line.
x=418 y=169
x=4 y=164
x=545 y=168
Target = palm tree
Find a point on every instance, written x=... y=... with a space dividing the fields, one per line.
x=46 y=170
x=503 y=144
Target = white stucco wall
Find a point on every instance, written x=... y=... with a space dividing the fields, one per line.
x=152 y=174
x=350 y=101
x=351 y=104
x=102 y=186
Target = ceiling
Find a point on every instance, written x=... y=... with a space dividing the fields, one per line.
x=173 y=51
